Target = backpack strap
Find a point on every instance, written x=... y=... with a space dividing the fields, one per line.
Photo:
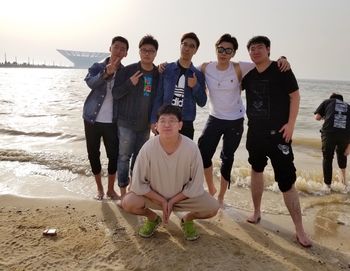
x=238 y=71
x=239 y=74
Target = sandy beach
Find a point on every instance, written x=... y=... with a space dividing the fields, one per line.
x=46 y=182
x=95 y=235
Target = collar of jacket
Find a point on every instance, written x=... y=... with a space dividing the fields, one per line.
x=154 y=70
x=177 y=66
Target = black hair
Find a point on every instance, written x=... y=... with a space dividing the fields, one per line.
x=169 y=109
x=336 y=96
x=149 y=39
x=227 y=38
x=192 y=36
x=259 y=40
x=121 y=39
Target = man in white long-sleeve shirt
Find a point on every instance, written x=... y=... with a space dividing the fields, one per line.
x=168 y=175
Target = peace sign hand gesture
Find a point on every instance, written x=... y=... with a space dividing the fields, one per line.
x=135 y=77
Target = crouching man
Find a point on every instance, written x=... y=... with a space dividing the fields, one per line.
x=168 y=176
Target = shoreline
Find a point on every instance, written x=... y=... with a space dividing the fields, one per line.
x=99 y=236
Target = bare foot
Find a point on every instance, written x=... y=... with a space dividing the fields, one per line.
x=112 y=195
x=119 y=203
x=99 y=196
x=122 y=192
x=221 y=203
x=254 y=219
x=212 y=190
x=303 y=240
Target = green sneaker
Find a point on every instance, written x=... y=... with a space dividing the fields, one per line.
x=149 y=227
x=189 y=230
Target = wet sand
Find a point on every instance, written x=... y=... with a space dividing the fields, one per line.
x=99 y=236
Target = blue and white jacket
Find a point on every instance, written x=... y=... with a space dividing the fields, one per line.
x=167 y=82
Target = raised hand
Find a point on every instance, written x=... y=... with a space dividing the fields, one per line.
x=162 y=66
x=283 y=64
x=135 y=77
x=112 y=66
x=192 y=81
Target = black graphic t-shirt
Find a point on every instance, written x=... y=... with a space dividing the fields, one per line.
x=179 y=92
x=268 y=98
x=336 y=114
x=145 y=101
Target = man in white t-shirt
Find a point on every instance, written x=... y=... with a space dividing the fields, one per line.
x=168 y=175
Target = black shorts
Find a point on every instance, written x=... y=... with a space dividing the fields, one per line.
x=270 y=144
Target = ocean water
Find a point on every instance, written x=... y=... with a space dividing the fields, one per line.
x=43 y=153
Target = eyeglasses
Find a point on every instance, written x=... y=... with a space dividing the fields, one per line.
x=222 y=50
x=188 y=45
x=170 y=122
x=147 y=51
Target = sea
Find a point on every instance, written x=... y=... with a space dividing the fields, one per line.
x=43 y=151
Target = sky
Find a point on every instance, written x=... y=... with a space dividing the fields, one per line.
x=314 y=35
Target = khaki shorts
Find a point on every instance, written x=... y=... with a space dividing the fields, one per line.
x=203 y=203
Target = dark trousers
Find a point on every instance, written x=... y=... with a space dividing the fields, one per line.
x=93 y=134
x=231 y=131
x=187 y=129
x=333 y=142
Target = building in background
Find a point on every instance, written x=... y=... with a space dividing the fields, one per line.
x=83 y=60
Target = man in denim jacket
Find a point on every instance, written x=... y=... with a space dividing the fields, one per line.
x=99 y=115
x=182 y=85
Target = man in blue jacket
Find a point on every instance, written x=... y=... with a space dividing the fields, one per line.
x=134 y=90
x=98 y=114
x=182 y=85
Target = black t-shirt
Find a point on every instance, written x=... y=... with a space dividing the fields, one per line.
x=336 y=115
x=145 y=101
x=268 y=98
x=179 y=92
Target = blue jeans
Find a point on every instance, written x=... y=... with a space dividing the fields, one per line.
x=130 y=143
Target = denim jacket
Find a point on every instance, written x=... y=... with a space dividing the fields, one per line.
x=98 y=86
x=167 y=82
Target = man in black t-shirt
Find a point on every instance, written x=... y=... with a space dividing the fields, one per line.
x=272 y=108
x=335 y=134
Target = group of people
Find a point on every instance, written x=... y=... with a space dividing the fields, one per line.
x=167 y=171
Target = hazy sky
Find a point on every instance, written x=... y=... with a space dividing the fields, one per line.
x=313 y=34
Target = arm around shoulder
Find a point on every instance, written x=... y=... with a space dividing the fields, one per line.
x=318 y=116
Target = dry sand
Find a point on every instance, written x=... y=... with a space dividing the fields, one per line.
x=99 y=236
